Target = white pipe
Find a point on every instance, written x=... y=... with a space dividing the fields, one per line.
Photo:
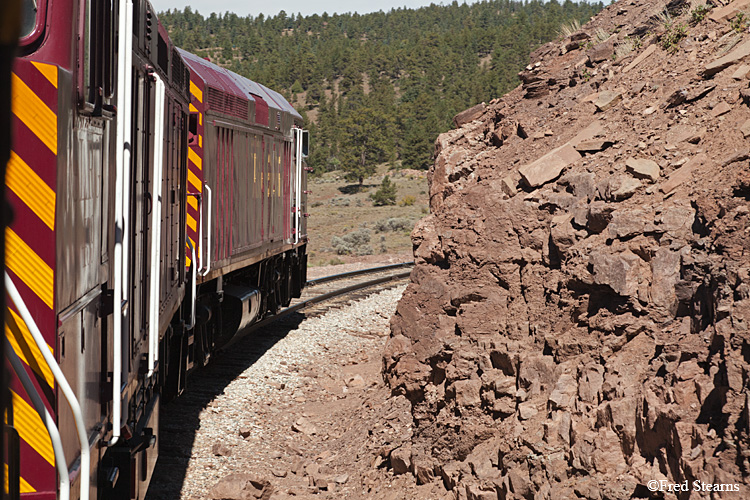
x=298 y=178
x=199 y=243
x=122 y=163
x=156 y=187
x=60 y=463
x=193 y=287
x=61 y=382
x=208 y=242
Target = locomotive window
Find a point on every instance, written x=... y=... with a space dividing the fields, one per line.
x=109 y=47
x=193 y=129
x=96 y=55
x=28 y=22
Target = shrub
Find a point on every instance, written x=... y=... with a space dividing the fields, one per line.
x=407 y=201
x=354 y=243
x=672 y=37
x=739 y=23
x=340 y=202
x=386 y=194
x=393 y=224
x=699 y=13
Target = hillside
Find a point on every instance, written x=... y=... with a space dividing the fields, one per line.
x=577 y=323
x=380 y=87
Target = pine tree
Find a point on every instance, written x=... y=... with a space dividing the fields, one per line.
x=386 y=193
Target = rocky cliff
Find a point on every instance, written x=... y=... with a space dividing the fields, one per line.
x=577 y=322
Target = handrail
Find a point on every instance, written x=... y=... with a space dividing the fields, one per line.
x=208 y=232
x=62 y=382
x=60 y=463
x=122 y=167
x=194 y=267
x=199 y=241
x=154 y=279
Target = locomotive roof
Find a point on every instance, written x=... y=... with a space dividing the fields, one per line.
x=279 y=99
x=214 y=76
x=237 y=85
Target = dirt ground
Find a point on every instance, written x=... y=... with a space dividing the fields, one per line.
x=300 y=411
x=336 y=210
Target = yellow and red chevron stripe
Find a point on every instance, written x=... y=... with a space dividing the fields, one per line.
x=195 y=172
x=31 y=182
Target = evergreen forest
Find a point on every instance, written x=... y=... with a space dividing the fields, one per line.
x=380 y=87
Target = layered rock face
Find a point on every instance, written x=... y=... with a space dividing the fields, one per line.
x=577 y=322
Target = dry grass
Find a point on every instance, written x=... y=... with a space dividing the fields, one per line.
x=569 y=28
x=336 y=211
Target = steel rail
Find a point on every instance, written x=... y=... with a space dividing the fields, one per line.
x=350 y=274
x=323 y=297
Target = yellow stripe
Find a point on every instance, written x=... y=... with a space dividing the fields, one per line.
x=29 y=267
x=31 y=428
x=20 y=338
x=32 y=111
x=23 y=485
x=187 y=261
x=193 y=109
x=193 y=202
x=48 y=70
x=193 y=179
x=193 y=156
x=196 y=91
x=32 y=190
x=191 y=223
x=200 y=140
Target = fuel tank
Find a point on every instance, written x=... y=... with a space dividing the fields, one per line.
x=239 y=309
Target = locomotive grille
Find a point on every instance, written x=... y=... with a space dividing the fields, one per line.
x=226 y=103
x=178 y=70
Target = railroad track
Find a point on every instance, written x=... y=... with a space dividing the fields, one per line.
x=183 y=451
x=321 y=294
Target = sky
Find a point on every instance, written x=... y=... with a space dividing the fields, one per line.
x=305 y=7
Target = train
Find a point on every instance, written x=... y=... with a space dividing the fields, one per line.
x=159 y=209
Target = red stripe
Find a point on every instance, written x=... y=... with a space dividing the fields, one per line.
x=36 y=470
x=48 y=393
x=38 y=83
x=30 y=228
x=42 y=314
x=35 y=153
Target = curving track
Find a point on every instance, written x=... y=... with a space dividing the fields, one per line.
x=182 y=430
x=323 y=293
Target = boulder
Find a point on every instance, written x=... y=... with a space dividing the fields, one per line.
x=593 y=146
x=602 y=51
x=735 y=56
x=620 y=272
x=720 y=109
x=730 y=10
x=469 y=115
x=683 y=174
x=641 y=57
x=549 y=167
x=607 y=99
x=241 y=487
x=401 y=460
x=643 y=168
x=467 y=392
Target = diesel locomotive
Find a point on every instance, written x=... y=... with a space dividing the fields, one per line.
x=158 y=209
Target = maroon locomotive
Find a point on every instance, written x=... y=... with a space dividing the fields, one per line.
x=158 y=207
